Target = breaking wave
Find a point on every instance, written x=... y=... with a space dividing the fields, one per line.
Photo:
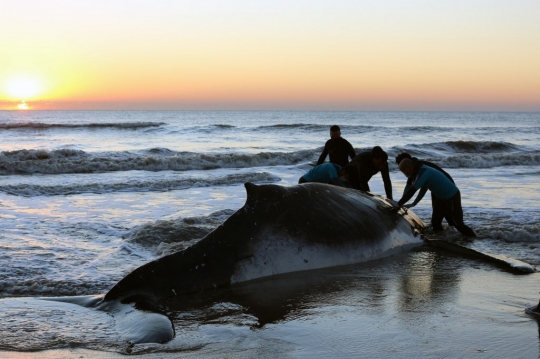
x=347 y=130
x=157 y=159
x=146 y=242
x=169 y=236
x=513 y=232
x=451 y=154
x=46 y=126
x=468 y=146
x=470 y=154
x=290 y=126
x=154 y=185
x=490 y=160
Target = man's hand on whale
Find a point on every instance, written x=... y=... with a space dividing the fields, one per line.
x=394 y=204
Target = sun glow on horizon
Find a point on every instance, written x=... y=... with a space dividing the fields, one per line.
x=23 y=88
x=23 y=106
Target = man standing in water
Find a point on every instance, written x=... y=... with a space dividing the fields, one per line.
x=442 y=188
x=364 y=166
x=338 y=148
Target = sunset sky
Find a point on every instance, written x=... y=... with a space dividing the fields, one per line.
x=279 y=54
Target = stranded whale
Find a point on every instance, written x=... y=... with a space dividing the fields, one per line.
x=278 y=230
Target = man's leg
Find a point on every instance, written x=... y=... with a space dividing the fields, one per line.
x=439 y=209
x=447 y=214
x=457 y=216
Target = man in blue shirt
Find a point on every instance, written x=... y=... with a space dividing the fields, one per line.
x=434 y=200
x=324 y=173
x=442 y=188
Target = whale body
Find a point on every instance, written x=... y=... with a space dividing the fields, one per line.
x=278 y=230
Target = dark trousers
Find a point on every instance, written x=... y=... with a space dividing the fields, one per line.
x=451 y=209
x=447 y=215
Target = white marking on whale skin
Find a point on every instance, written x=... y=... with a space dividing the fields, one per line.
x=272 y=255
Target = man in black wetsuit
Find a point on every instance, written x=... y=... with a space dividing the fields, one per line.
x=338 y=148
x=435 y=202
x=360 y=170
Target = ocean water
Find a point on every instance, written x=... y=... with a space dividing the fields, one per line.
x=88 y=196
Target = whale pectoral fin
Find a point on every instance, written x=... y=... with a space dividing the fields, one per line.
x=511 y=264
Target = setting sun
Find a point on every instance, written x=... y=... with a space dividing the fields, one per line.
x=22 y=106
x=23 y=88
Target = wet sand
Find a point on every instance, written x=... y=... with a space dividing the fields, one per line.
x=424 y=304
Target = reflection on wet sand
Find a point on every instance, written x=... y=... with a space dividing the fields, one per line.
x=410 y=281
x=427 y=280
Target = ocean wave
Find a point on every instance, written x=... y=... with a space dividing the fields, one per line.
x=469 y=154
x=424 y=129
x=68 y=161
x=168 y=236
x=41 y=154
x=39 y=286
x=468 y=147
x=160 y=151
x=512 y=232
x=346 y=129
x=64 y=161
x=486 y=160
x=46 y=126
x=515 y=239
x=31 y=190
x=489 y=160
x=289 y=126
x=147 y=241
